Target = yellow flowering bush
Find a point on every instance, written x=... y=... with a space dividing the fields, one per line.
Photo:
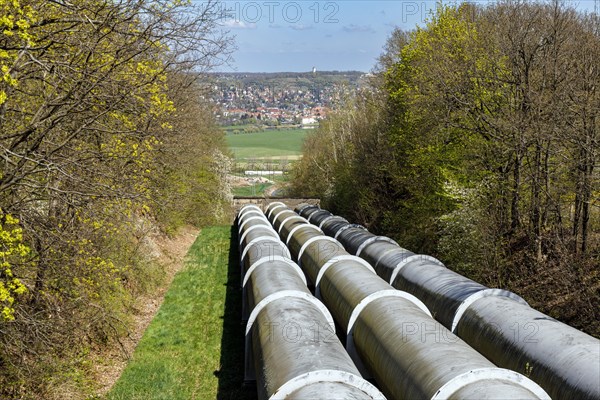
x=12 y=250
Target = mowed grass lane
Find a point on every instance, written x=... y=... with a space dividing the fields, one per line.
x=193 y=348
x=267 y=144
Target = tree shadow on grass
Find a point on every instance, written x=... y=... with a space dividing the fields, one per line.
x=231 y=372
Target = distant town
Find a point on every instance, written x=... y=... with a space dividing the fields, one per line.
x=277 y=99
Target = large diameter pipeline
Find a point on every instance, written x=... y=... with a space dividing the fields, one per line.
x=495 y=322
x=442 y=290
x=562 y=359
x=294 y=351
x=392 y=333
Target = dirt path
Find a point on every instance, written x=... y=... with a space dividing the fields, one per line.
x=110 y=364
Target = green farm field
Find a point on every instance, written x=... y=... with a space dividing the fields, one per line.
x=270 y=144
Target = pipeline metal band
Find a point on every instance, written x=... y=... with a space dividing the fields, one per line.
x=484 y=374
x=304 y=207
x=372 y=240
x=268 y=227
x=267 y=259
x=343 y=228
x=378 y=295
x=275 y=215
x=246 y=211
x=312 y=240
x=311 y=215
x=279 y=205
x=326 y=375
x=386 y=253
x=333 y=261
x=296 y=228
x=480 y=295
x=248 y=208
x=330 y=218
x=263 y=239
x=350 y=345
x=250 y=213
x=291 y=217
x=273 y=205
x=262 y=218
x=285 y=294
x=414 y=257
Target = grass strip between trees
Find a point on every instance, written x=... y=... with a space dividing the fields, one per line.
x=193 y=349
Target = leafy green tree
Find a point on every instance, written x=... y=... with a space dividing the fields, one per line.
x=478 y=143
x=88 y=96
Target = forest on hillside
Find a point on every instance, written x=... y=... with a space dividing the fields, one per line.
x=478 y=143
x=103 y=139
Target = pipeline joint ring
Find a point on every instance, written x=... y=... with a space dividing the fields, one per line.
x=285 y=294
x=291 y=217
x=256 y=241
x=330 y=218
x=267 y=227
x=312 y=240
x=327 y=375
x=408 y=259
x=294 y=229
x=266 y=259
x=480 y=295
x=343 y=228
x=378 y=295
x=482 y=374
x=333 y=261
x=372 y=240
x=279 y=205
x=244 y=222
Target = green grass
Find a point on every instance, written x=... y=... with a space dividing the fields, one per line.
x=256 y=190
x=267 y=144
x=193 y=348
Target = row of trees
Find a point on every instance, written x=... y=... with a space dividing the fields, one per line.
x=102 y=132
x=479 y=143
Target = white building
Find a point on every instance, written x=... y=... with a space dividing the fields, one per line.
x=309 y=121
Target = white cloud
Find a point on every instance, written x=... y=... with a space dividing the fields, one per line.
x=301 y=27
x=235 y=24
x=358 y=28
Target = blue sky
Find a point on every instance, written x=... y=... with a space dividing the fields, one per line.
x=282 y=35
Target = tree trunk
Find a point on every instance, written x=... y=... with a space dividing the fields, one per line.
x=535 y=202
x=586 y=195
x=514 y=206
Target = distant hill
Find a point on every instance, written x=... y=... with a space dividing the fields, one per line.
x=275 y=75
x=291 y=80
